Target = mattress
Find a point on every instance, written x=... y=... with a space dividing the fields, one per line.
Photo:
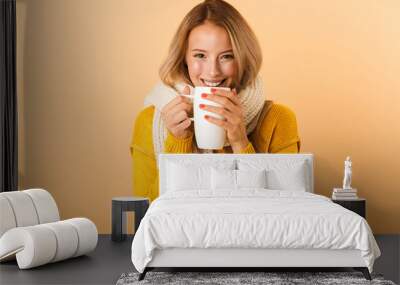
x=250 y=219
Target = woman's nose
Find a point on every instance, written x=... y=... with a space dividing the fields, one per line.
x=213 y=69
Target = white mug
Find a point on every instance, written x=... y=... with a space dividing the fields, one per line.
x=208 y=135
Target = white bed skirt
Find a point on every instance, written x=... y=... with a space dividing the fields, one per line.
x=193 y=257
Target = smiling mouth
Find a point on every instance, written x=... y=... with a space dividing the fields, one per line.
x=213 y=83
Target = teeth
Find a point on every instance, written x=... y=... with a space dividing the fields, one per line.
x=212 y=84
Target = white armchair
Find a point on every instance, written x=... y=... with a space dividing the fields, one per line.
x=31 y=230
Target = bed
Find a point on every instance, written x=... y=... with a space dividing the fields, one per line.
x=245 y=211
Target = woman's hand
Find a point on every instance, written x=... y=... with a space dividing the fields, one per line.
x=176 y=115
x=233 y=115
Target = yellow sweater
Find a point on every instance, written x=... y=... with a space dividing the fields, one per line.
x=277 y=134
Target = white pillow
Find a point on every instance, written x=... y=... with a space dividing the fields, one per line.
x=190 y=174
x=223 y=179
x=236 y=179
x=282 y=174
x=251 y=178
x=294 y=179
x=181 y=177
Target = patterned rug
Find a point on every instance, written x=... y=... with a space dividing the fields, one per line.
x=270 y=278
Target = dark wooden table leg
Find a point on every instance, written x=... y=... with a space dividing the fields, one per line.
x=118 y=222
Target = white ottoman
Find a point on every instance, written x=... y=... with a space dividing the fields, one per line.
x=31 y=232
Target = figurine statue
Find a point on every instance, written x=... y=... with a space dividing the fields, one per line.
x=347 y=174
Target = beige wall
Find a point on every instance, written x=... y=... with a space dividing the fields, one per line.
x=84 y=68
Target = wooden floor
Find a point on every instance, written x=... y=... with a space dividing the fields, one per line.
x=111 y=259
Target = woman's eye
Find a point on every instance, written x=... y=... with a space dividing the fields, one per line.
x=199 y=55
x=227 y=56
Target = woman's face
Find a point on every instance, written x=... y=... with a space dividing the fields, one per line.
x=209 y=57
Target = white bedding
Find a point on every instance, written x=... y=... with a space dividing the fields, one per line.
x=251 y=218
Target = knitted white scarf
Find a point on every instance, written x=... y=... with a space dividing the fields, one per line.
x=252 y=100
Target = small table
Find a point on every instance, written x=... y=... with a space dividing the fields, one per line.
x=356 y=205
x=121 y=205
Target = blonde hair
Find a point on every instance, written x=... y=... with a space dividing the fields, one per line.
x=246 y=49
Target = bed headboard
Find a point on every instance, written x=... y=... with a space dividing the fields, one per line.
x=212 y=159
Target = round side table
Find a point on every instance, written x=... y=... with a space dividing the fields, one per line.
x=121 y=205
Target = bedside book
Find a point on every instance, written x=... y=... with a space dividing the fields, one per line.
x=341 y=190
x=345 y=198
x=344 y=194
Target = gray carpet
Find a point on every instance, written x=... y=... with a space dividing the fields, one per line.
x=270 y=278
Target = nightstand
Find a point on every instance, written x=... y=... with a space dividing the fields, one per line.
x=121 y=205
x=356 y=205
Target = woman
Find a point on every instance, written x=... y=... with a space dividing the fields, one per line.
x=213 y=46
